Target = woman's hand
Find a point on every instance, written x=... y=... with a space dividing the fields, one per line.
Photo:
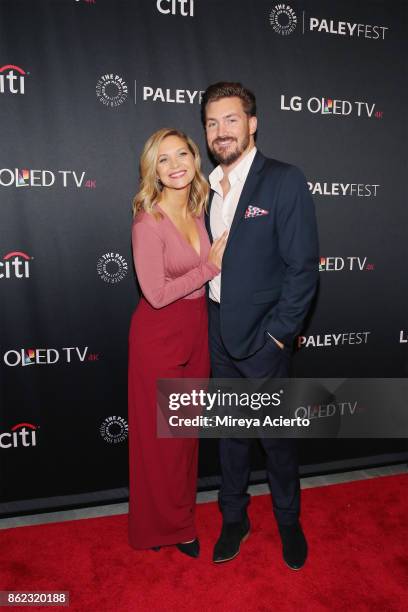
x=217 y=249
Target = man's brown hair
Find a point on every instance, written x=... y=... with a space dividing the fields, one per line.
x=226 y=89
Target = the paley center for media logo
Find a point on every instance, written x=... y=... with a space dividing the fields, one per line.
x=112 y=268
x=22 y=435
x=111 y=90
x=284 y=20
x=345 y=264
x=12 y=79
x=330 y=107
x=114 y=429
x=15 y=264
x=25 y=177
x=403 y=337
x=48 y=356
x=333 y=340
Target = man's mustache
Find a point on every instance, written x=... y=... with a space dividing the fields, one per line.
x=225 y=139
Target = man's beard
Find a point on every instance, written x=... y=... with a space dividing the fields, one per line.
x=226 y=158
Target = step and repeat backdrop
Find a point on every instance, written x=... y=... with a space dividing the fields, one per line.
x=83 y=83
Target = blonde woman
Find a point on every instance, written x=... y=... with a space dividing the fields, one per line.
x=168 y=335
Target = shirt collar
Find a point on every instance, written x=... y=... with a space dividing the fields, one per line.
x=239 y=173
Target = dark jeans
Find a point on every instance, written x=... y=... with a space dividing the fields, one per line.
x=281 y=463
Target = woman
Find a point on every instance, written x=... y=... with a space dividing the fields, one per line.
x=168 y=335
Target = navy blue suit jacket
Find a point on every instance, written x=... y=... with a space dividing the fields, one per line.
x=270 y=264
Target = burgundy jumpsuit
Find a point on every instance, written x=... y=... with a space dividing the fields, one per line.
x=168 y=339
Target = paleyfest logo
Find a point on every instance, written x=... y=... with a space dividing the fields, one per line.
x=21 y=435
x=112 y=268
x=15 y=264
x=403 y=337
x=330 y=106
x=48 y=356
x=333 y=340
x=114 y=429
x=283 y=20
x=346 y=264
x=12 y=79
x=359 y=190
x=111 y=90
x=24 y=177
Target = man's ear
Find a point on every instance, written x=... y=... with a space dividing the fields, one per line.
x=253 y=122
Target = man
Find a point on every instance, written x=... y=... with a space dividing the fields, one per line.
x=259 y=301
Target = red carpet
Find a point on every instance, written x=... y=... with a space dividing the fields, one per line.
x=358 y=541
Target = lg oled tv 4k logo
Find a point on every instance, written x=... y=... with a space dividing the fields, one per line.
x=21 y=435
x=17 y=177
x=330 y=106
x=12 y=79
x=15 y=265
x=48 y=356
x=345 y=264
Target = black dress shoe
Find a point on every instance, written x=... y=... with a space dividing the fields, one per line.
x=294 y=545
x=229 y=542
x=192 y=549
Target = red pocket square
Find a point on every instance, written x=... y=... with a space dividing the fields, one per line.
x=255 y=211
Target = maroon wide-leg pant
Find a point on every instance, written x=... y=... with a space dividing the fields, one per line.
x=169 y=342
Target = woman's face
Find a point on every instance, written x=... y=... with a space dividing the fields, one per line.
x=175 y=163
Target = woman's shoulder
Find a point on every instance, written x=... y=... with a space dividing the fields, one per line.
x=149 y=219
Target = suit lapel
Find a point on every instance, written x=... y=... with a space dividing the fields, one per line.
x=207 y=217
x=248 y=190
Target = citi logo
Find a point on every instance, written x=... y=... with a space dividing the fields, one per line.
x=338 y=264
x=403 y=337
x=47 y=356
x=15 y=177
x=359 y=190
x=185 y=8
x=22 y=434
x=330 y=106
x=333 y=340
x=15 y=265
x=12 y=79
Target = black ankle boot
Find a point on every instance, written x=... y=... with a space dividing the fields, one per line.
x=192 y=549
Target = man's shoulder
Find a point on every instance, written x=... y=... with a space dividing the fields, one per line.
x=276 y=167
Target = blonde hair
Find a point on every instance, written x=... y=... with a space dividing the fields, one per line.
x=150 y=188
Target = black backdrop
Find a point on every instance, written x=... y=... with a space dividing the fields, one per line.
x=82 y=86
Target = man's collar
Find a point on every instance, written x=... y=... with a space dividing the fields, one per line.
x=240 y=172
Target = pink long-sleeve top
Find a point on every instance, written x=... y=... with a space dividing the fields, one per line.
x=168 y=268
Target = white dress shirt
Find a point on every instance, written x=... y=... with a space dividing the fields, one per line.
x=223 y=209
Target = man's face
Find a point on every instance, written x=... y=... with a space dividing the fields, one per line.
x=229 y=130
